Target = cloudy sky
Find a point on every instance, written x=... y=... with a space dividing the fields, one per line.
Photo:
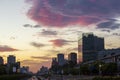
x=36 y=30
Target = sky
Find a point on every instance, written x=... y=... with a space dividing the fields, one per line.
x=37 y=30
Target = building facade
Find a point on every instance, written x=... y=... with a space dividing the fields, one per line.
x=91 y=44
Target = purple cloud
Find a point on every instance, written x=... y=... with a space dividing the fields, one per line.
x=116 y=34
x=112 y=25
x=61 y=13
x=47 y=33
x=106 y=30
x=37 y=45
x=31 y=26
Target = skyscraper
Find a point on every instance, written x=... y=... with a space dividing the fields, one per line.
x=73 y=57
x=11 y=59
x=60 y=59
x=1 y=60
x=90 y=46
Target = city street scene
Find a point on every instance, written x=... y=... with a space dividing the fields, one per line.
x=60 y=40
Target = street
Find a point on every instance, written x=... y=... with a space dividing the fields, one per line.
x=37 y=78
x=33 y=78
x=59 y=77
x=68 y=77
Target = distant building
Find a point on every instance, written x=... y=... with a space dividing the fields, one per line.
x=54 y=61
x=12 y=65
x=90 y=46
x=43 y=71
x=24 y=69
x=1 y=60
x=109 y=55
x=11 y=59
x=60 y=59
x=72 y=57
x=17 y=65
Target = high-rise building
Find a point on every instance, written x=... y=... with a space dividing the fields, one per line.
x=11 y=59
x=91 y=44
x=60 y=59
x=72 y=57
x=1 y=60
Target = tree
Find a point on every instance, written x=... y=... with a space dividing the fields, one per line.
x=109 y=69
x=2 y=70
x=84 y=69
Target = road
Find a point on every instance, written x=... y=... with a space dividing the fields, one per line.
x=36 y=78
x=32 y=78
x=70 y=77
x=61 y=78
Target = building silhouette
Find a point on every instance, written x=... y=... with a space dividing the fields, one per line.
x=54 y=61
x=11 y=59
x=72 y=57
x=91 y=44
x=43 y=71
x=60 y=59
x=1 y=60
x=24 y=69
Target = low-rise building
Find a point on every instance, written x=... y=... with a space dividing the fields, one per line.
x=43 y=71
x=24 y=69
x=110 y=55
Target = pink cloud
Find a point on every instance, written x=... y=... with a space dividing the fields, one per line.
x=41 y=57
x=42 y=13
x=5 y=48
x=58 y=42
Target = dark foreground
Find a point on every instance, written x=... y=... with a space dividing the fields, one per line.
x=57 y=77
x=14 y=77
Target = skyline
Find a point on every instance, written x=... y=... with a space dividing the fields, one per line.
x=35 y=42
